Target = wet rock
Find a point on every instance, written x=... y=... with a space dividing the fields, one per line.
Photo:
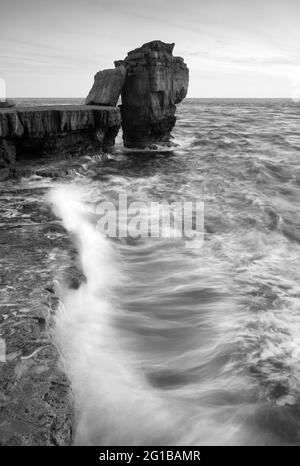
x=36 y=407
x=71 y=278
x=107 y=87
x=156 y=81
x=7 y=158
x=36 y=403
x=39 y=132
x=36 y=400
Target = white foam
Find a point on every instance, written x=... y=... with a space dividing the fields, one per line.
x=115 y=404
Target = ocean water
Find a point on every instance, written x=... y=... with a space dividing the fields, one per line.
x=169 y=345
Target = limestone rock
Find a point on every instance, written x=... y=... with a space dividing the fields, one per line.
x=36 y=401
x=31 y=132
x=7 y=158
x=156 y=81
x=107 y=87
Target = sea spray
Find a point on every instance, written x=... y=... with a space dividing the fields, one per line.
x=177 y=346
x=207 y=337
x=115 y=403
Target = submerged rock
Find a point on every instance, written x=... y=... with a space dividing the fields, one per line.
x=107 y=87
x=156 y=81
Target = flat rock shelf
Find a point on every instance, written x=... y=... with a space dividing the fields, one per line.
x=36 y=400
x=38 y=132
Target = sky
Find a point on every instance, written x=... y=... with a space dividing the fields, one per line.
x=233 y=48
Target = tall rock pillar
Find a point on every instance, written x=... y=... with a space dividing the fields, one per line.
x=155 y=82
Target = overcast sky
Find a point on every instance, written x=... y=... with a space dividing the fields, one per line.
x=234 y=48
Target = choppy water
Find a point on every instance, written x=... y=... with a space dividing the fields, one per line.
x=169 y=345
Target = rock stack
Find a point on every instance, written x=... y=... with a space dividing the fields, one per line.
x=151 y=82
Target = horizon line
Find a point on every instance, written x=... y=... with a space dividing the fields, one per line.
x=186 y=98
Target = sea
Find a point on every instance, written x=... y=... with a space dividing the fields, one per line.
x=166 y=344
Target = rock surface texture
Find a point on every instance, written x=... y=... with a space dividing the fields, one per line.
x=30 y=132
x=156 y=81
x=107 y=87
x=36 y=400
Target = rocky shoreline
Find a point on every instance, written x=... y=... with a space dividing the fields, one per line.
x=36 y=400
x=150 y=82
x=61 y=130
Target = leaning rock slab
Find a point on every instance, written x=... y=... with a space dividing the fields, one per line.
x=107 y=87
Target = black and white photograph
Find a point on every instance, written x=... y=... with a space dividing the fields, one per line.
x=149 y=227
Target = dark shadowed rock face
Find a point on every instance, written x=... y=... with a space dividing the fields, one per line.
x=26 y=133
x=156 y=81
x=107 y=87
x=7 y=158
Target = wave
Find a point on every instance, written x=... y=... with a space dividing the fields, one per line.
x=115 y=403
x=112 y=400
x=169 y=346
